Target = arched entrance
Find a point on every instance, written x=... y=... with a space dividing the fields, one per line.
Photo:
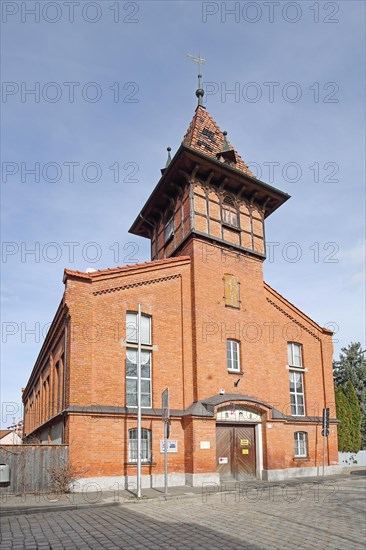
x=238 y=443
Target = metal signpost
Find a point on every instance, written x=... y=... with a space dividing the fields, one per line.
x=165 y=419
x=325 y=433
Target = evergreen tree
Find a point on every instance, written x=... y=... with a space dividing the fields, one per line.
x=343 y=414
x=355 y=417
x=351 y=366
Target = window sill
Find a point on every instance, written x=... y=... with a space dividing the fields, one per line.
x=237 y=372
x=142 y=464
x=296 y=369
x=134 y=407
x=229 y=226
x=301 y=459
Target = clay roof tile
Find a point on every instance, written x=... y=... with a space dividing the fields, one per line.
x=90 y=275
x=205 y=136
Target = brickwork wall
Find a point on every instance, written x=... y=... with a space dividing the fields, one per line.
x=191 y=322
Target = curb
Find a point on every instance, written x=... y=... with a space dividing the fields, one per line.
x=46 y=509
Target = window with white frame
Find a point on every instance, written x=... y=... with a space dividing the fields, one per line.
x=145 y=445
x=131 y=329
x=301 y=444
x=229 y=212
x=131 y=360
x=294 y=354
x=233 y=355
x=297 y=393
x=131 y=378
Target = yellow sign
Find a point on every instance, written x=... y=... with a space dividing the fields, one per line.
x=245 y=451
x=244 y=442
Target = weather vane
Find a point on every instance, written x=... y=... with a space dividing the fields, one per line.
x=200 y=61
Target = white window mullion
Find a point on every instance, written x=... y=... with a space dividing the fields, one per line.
x=233 y=355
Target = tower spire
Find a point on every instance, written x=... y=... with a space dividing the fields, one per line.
x=200 y=91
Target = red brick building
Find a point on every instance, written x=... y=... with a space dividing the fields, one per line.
x=248 y=373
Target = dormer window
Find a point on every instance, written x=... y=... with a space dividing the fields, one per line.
x=169 y=227
x=229 y=212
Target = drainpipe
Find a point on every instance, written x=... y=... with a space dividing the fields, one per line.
x=325 y=442
x=64 y=382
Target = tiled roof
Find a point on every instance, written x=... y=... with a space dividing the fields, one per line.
x=205 y=136
x=123 y=269
x=3 y=433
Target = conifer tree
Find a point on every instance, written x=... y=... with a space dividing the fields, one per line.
x=355 y=417
x=343 y=415
x=351 y=366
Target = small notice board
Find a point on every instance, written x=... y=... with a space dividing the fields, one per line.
x=172 y=445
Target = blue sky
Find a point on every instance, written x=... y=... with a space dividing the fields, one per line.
x=311 y=127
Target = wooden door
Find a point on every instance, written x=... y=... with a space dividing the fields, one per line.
x=244 y=444
x=224 y=458
x=235 y=452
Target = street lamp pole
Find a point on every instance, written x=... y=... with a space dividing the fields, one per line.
x=139 y=401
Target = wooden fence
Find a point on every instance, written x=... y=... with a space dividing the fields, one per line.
x=29 y=466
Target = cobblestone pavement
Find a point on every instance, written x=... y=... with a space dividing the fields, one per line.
x=306 y=516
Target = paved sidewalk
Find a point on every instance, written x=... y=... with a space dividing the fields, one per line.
x=328 y=515
x=40 y=503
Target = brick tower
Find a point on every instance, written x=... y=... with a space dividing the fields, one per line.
x=248 y=372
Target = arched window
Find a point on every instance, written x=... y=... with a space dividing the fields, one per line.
x=229 y=212
x=301 y=444
x=145 y=445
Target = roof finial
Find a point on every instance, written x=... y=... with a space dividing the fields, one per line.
x=169 y=160
x=225 y=146
x=200 y=92
x=169 y=157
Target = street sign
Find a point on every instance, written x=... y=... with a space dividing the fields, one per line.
x=172 y=446
x=165 y=405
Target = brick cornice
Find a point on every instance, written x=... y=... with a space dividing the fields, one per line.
x=286 y=303
x=293 y=319
x=136 y=284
